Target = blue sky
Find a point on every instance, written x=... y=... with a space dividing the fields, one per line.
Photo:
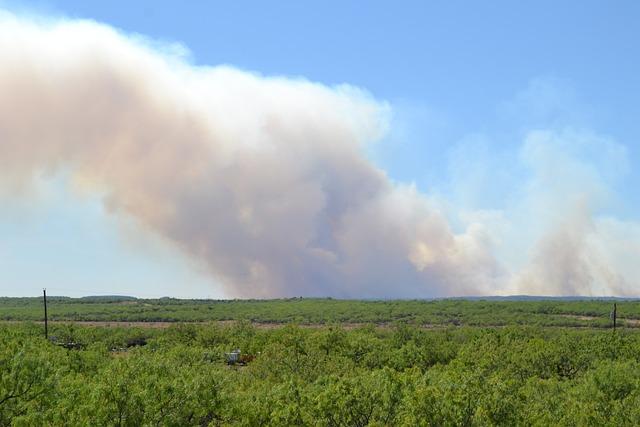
x=466 y=83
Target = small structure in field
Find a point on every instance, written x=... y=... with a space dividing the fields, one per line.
x=236 y=357
x=233 y=357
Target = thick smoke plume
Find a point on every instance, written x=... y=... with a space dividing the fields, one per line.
x=264 y=183
x=261 y=180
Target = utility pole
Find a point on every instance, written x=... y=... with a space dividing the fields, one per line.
x=46 y=326
x=614 y=315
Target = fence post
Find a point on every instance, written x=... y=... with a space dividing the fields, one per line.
x=46 y=325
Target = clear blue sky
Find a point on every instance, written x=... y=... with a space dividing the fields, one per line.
x=453 y=72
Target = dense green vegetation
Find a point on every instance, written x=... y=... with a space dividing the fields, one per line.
x=327 y=376
x=556 y=312
x=443 y=362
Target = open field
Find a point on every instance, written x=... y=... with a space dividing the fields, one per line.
x=310 y=311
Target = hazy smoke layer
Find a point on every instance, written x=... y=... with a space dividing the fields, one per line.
x=263 y=180
x=577 y=249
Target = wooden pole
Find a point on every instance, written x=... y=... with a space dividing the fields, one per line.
x=614 y=315
x=46 y=325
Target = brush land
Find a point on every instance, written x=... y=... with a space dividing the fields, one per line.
x=315 y=311
x=322 y=362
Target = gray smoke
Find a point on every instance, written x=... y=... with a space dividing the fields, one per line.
x=263 y=181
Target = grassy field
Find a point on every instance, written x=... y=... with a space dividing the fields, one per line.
x=547 y=312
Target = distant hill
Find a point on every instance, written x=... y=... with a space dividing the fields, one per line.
x=166 y=299
x=545 y=298
x=107 y=298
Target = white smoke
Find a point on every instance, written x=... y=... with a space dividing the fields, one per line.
x=262 y=180
x=572 y=245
